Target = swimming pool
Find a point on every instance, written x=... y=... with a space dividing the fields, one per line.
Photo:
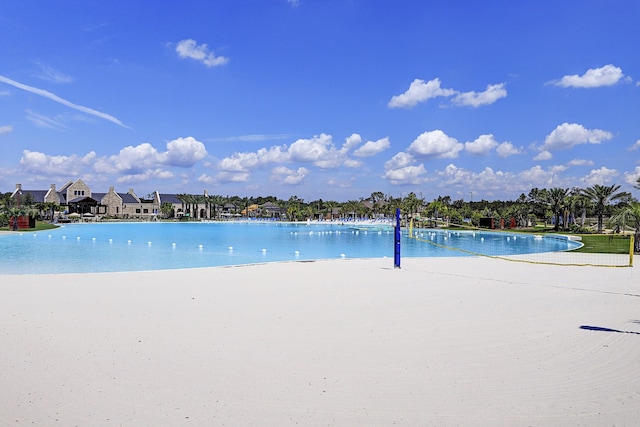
x=107 y=247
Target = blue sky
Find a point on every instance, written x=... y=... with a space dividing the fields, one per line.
x=331 y=99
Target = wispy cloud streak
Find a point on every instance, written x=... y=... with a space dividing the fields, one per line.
x=56 y=98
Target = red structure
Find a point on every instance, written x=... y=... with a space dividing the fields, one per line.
x=22 y=222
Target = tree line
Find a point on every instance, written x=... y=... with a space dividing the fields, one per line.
x=568 y=209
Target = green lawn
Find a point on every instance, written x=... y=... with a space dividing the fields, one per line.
x=40 y=225
x=605 y=244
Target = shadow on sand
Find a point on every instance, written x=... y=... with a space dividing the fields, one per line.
x=601 y=329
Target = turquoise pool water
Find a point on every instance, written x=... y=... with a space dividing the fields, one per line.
x=79 y=248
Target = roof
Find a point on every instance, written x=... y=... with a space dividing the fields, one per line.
x=82 y=199
x=37 y=195
x=128 y=198
x=171 y=198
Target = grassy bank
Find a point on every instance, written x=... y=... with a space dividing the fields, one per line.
x=40 y=225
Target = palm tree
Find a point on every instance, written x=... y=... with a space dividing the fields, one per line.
x=601 y=196
x=411 y=204
x=197 y=201
x=629 y=217
x=216 y=201
x=556 y=200
x=166 y=208
x=183 y=199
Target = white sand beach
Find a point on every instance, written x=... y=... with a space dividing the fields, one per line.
x=442 y=341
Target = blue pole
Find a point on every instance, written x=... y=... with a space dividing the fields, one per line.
x=396 y=252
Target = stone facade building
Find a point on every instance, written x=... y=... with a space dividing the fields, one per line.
x=77 y=197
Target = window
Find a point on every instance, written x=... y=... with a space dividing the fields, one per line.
x=145 y=211
x=137 y=210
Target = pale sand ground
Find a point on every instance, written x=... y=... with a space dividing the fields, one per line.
x=443 y=341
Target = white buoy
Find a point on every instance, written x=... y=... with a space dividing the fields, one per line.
x=110 y=240
x=264 y=250
x=49 y=235
x=64 y=237
x=173 y=244
x=200 y=247
x=129 y=242
x=482 y=239
x=342 y=255
x=148 y=243
x=35 y=235
x=78 y=238
x=230 y=248
x=93 y=238
x=297 y=253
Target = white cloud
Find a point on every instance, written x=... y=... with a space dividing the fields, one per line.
x=340 y=183
x=289 y=176
x=631 y=178
x=6 y=129
x=188 y=48
x=51 y=75
x=145 y=176
x=371 y=148
x=580 y=162
x=482 y=145
x=453 y=175
x=59 y=100
x=400 y=160
x=313 y=150
x=536 y=177
x=476 y=99
x=243 y=162
x=487 y=179
x=318 y=150
x=184 y=152
x=206 y=179
x=226 y=176
x=558 y=168
x=544 y=155
x=181 y=152
x=130 y=159
x=507 y=149
x=435 y=144
x=635 y=146
x=400 y=170
x=568 y=135
x=351 y=142
x=43 y=121
x=58 y=166
x=601 y=176
x=406 y=175
x=593 y=77
x=419 y=91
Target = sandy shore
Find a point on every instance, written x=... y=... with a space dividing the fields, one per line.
x=443 y=341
